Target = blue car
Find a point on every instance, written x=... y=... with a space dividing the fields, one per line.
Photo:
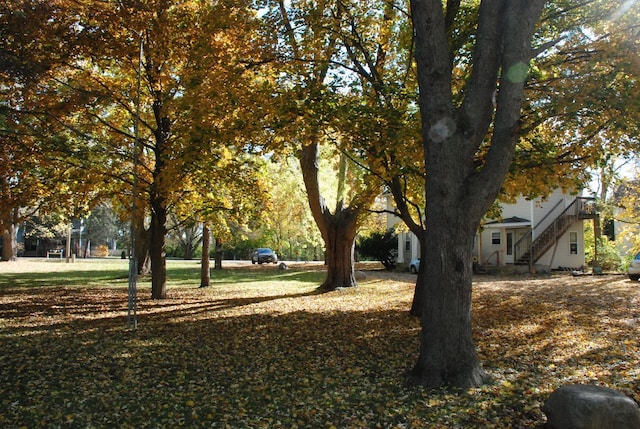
x=414 y=266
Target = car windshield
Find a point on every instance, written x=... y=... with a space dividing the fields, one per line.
x=264 y=250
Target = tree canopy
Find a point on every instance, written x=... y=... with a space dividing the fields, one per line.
x=446 y=105
x=191 y=112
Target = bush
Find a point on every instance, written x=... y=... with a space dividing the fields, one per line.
x=608 y=256
x=381 y=247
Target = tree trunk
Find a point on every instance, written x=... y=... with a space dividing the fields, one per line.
x=218 y=254
x=417 y=305
x=141 y=247
x=86 y=253
x=205 y=273
x=340 y=242
x=158 y=191
x=461 y=181
x=188 y=251
x=157 y=251
x=447 y=354
x=402 y=205
x=338 y=229
x=9 y=243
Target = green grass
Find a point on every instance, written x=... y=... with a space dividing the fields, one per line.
x=114 y=272
x=259 y=348
x=38 y=273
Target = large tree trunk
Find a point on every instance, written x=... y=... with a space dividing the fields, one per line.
x=158 y=228
x=447 y=355
x=461 y=181
x=8 y=221
x=338 y=229
x=341 y=234
x=205 y=273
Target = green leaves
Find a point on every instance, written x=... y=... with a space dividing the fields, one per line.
x=260 y=349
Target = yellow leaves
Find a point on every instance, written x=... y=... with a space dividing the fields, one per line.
x=260 y=349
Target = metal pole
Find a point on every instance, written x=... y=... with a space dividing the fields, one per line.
x=67 y=247
x=132 y=317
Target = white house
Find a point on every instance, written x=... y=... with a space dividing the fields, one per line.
x=542 y=233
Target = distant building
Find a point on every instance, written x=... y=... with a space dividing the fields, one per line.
x=540 y=233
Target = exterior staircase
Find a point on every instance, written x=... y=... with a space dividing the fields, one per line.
x=528 y=251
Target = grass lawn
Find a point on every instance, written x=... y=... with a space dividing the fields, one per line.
x=260 y=349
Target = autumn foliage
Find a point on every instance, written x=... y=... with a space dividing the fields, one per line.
x=260 y=348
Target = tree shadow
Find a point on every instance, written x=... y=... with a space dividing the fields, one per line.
x=73 y=356
x=201 y=360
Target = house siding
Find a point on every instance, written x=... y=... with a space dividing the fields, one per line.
x=536 y=212
x=563 y=257
x=529 y=214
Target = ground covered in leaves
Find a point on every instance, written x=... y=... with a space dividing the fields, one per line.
x=260 y=349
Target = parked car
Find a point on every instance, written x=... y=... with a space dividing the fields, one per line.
x=414 y=266
x=264 y=254
x=634 y=268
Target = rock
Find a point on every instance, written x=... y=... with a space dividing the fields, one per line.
x=283 y=266
x=580 y=406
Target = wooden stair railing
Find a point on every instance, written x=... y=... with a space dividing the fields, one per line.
x=528 y=252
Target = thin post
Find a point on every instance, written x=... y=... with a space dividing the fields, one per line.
x=67 y=247
x=132 y=316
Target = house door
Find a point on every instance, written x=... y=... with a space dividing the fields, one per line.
x=509 y=256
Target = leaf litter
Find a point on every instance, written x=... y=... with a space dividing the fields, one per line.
x=276 y=354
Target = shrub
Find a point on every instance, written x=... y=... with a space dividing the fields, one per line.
x=608 y=255
x=381 y=247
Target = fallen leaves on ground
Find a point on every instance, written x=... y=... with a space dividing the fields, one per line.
x=275 y=354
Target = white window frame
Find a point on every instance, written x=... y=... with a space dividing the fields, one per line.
x=573 y=242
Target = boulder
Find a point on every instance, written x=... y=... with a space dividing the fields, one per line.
x=581 y=406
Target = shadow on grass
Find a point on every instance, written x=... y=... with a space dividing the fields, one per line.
x=168 y=312
x=198 y=365
x=220 y=357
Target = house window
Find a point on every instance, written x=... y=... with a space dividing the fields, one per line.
x=407 y=242
x=573 y=243
x=495 y=238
